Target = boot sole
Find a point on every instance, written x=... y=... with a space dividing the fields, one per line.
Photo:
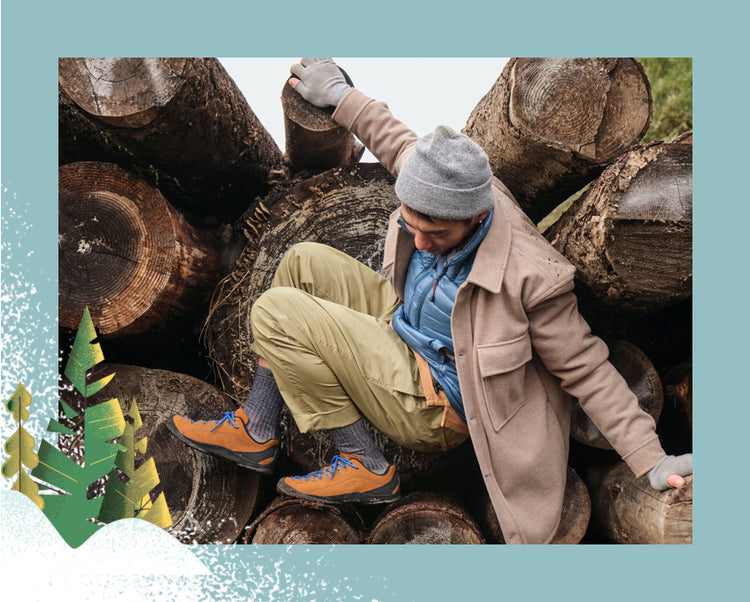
x=344 y=498
x=239 y=458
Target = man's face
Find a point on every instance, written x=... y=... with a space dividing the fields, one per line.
x=439 y=235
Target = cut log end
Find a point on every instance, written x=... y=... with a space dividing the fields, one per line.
x=592 y=107
x=627 y=510
x=124 y=252
x=126 y=92
x=314 y=141
x=288 y=521
x=423 y=518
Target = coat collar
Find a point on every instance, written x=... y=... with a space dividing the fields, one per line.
x=492 y=255
x=489 y=263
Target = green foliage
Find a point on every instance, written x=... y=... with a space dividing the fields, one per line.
x=671 y=82
x=84 y=355
x=73 y=510
x=20 y=448
x=132 y=499
x=71 y=513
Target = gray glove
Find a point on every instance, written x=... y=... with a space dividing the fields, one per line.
x=668 y=465
x=321 y=81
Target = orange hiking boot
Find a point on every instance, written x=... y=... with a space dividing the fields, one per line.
x=344 y=480
x=227 y=438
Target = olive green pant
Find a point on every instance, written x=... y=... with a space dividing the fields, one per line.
x=324 y=328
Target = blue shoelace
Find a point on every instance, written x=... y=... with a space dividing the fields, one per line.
x=225 y=417
x=328 y=471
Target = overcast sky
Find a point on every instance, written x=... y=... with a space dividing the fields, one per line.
x=421 y=92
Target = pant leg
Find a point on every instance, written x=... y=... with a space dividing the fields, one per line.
x=334 y=363
x=330 y=274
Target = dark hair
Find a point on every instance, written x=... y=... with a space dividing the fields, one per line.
x=431 y=219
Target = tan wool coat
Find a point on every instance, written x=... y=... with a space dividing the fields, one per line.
x=522 y=349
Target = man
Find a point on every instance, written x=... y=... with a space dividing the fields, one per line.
x=475 y=333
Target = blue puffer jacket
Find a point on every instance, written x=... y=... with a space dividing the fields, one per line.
x=424 y=320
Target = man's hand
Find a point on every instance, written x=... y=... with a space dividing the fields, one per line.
x=669 y=471
x=319 y=81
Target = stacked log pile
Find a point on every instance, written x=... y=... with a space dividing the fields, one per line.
x=176 y=206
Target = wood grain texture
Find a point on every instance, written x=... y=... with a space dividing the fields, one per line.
x=290 y=521
x=210 y=499
x=182 y=118
x=425 y=518
x=629 y=510
x=550 y=125
x=630 y=234
x=126 y=253
x=314 y=141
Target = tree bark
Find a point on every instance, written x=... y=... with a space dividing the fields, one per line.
x=425 y=518
x=210 y=499
x=288 y=521
x=550 y=125
x=630 y=234
x=643 y=380
x=126 y=253
x=314 y=141
x=184 y=117
x=346 y=208
x=574 y=519
x=629 y=510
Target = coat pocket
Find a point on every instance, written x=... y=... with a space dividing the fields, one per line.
x=501 y=366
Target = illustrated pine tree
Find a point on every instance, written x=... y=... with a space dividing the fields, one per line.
x=20 y=448
x=131 y=497
x=73 y=508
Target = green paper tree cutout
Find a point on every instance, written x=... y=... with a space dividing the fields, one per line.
x=75 y=506
x=20 y=448
x=132 y=498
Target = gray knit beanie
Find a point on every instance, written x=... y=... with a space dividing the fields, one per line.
x=447 y=176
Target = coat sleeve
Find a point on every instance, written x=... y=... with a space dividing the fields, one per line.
x=564 y=343
x=374 y=124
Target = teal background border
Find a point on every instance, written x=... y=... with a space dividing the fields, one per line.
x=35 y=34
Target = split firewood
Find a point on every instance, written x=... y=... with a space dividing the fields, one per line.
x=550 y=125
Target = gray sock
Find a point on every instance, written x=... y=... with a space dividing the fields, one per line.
x=263 y=406
x=355 y=439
